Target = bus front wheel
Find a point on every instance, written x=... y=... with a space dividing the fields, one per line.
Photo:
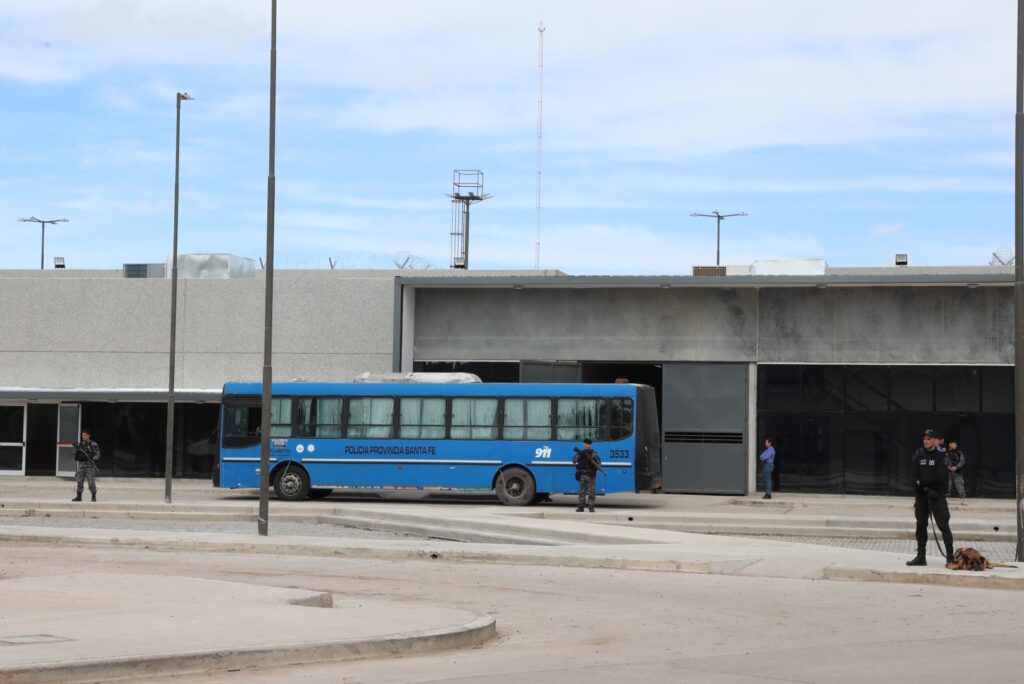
x=291 y=484
x=515 y=487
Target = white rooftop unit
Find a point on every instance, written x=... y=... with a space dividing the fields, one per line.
x=439 y=378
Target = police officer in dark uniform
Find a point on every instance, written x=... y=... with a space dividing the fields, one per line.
x=87 y=452
x=587 y=464
x=930 y=475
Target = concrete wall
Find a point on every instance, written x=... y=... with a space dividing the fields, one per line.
x=877 y=324
x=628 y=324
x=101 y=330
x=886 y=325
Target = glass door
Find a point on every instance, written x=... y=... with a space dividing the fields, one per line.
x=12 y=439
x=69 y=431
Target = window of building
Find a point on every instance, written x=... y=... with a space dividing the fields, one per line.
x=370 y=417
x=474 y=418
x=527 y=419
x=913 y=388
x=778 y=388
x=822 y=388
x=580 y=419
x=421 y=418
x=957 y=389
x=997 y=389
x=867 y=388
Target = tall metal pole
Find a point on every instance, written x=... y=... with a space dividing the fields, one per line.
x=1018 y=282
x=718 y=241
x=268 y=323
x=465 y=237
x=540 y=134
x=169 y=455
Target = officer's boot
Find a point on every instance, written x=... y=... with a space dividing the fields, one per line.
x=918 y=559
x=949 y=553
x=94 y=496
x=78 y=497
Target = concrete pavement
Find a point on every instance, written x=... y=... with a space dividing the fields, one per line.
x=98 y=627
x=627 y=533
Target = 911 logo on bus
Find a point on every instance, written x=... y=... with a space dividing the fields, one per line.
x=543 y=452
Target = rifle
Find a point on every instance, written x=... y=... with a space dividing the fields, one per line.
x=590 y=460
x=80 y=450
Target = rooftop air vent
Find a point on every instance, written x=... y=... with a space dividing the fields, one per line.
x=902 y=259
x=709 y=270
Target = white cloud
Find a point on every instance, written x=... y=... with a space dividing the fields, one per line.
x=887 y=229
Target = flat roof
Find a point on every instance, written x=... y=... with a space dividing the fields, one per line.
x=843 y=276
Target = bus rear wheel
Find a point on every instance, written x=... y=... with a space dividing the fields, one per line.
x=291 y=483
x=515 y=487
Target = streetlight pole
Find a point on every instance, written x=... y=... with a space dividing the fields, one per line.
x=268 y=324
x=1018 y=284
x=718 y=232
x=42 y=224
x=169 y=459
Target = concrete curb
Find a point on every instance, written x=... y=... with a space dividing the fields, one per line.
x=788 y=567
x=953 y=578
x=476 y=631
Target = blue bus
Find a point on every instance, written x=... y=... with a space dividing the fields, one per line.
x=513 y=439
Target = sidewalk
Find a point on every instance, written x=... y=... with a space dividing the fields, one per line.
x=98 y=627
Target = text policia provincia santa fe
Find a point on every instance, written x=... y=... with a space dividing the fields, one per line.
x=391 y=450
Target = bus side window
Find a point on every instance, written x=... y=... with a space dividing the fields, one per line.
x=241 y=424
x=527 y=419
x=370 y=417
x=328 y=417
x=621 y=419
x=421 y=418
x=474 y=418
x=305 y=417
x=581 y=418
x=281 y=417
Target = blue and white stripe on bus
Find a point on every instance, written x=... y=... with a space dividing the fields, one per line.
x=398 y=460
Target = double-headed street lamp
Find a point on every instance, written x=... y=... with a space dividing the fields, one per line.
x=169 y=460
x=42 y=224
x=718 y=240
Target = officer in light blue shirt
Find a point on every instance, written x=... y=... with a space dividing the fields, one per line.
x=767 y=459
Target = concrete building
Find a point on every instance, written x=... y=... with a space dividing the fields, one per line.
x=845 y=367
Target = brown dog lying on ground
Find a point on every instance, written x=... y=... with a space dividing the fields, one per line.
x=966 y=558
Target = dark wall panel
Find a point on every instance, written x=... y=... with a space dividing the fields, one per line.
x=853 y=429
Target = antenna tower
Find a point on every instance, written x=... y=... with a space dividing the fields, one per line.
x=467 y=189
x=540 y=132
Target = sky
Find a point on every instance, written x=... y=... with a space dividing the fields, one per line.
x=848 y=131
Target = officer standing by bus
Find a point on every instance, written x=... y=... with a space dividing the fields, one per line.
x=587 y=464
x=930 y=481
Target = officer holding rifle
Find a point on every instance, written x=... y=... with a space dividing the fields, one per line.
x=587 y=464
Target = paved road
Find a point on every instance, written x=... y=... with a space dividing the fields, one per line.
x=610 y=626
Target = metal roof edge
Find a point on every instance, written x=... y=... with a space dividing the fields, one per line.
x=58 y=394
x=713 y=281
